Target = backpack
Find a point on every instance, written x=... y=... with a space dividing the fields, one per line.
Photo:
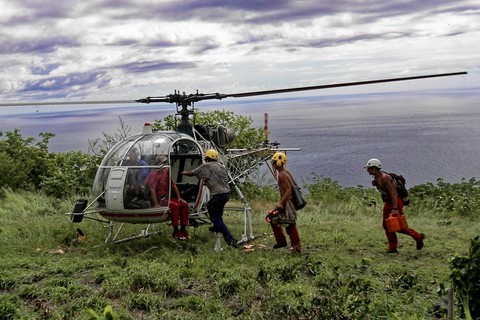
x=399 y=181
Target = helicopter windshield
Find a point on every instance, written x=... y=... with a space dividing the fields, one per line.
x=140 y=154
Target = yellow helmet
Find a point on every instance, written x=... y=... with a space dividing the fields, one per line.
x=211 y=154
x=279 y=159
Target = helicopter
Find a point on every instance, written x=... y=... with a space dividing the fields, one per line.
x=119 y=194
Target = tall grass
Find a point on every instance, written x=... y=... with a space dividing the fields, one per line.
x=343 y=272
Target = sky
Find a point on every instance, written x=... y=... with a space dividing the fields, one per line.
x=70 y=50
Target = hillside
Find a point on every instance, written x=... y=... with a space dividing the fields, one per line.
x=344 y=271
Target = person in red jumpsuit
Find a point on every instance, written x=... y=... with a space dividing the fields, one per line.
x=159 y=185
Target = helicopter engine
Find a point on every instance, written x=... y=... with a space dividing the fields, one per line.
x=220 y=136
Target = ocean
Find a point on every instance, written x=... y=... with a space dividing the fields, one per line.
x=421 y=135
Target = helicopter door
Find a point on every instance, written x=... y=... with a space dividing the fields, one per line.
x=114 y=188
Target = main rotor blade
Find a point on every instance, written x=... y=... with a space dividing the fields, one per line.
x=183 y=98
x=22 y=104
x=337 y=85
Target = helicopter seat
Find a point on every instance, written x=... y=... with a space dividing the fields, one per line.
x=138 y=204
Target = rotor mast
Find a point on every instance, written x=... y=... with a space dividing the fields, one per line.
x=184 y=102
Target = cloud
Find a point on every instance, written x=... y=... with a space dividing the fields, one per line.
x=74 y=48
x=64 y=86
x=33 y=44
x=44 y=69
x=149 y=66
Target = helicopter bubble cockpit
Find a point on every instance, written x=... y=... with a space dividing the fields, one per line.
x=123 y=178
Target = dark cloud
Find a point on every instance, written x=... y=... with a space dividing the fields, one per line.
x=149 y=66
x=253 y=12
x=202 y=49
x=44 y=69
x=67 y=82
x=188 y=9
x=36 y=45
x=266 y=12
x=337 y=41
x=35 y=11
x=132 y=41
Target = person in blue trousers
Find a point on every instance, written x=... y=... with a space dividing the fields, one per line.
x=215 y=177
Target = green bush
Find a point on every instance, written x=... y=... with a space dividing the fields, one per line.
x=254 y=191
x=27 y=165
x=466 y=281
x=326 y=190
x=72 y=174
x=23 y=161
x=454 y=199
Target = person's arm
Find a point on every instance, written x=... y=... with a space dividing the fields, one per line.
x=176 y=192
x=198 y=172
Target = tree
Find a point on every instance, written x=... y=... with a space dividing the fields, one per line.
x=26 y=164
x=100 y=146
x=72 y=174
x=246 y=137
x=24 y=161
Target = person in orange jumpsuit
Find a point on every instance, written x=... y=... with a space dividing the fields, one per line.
x=393 y=204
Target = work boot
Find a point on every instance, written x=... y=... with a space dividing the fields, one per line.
x=214 y=229
x=392 y=250
x=184 y=233
x=420 y=242
x=178 y=235
x=279 y=245
x=232 y=243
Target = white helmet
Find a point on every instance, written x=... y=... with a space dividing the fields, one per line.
x=373 y=163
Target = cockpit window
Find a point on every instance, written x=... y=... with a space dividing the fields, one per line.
x=185 y=147
x=140 y=152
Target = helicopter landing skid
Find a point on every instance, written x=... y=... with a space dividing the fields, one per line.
x=247 y=223
x=198 y=219
x=112 y=236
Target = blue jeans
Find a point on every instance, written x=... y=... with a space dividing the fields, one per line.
x=215 y=207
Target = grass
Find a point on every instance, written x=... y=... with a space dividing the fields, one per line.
x=343 y=272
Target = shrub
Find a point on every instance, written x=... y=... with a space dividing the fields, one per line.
x=462 y=199
x=326 y=190
x=27 y=165
x=465 y=270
